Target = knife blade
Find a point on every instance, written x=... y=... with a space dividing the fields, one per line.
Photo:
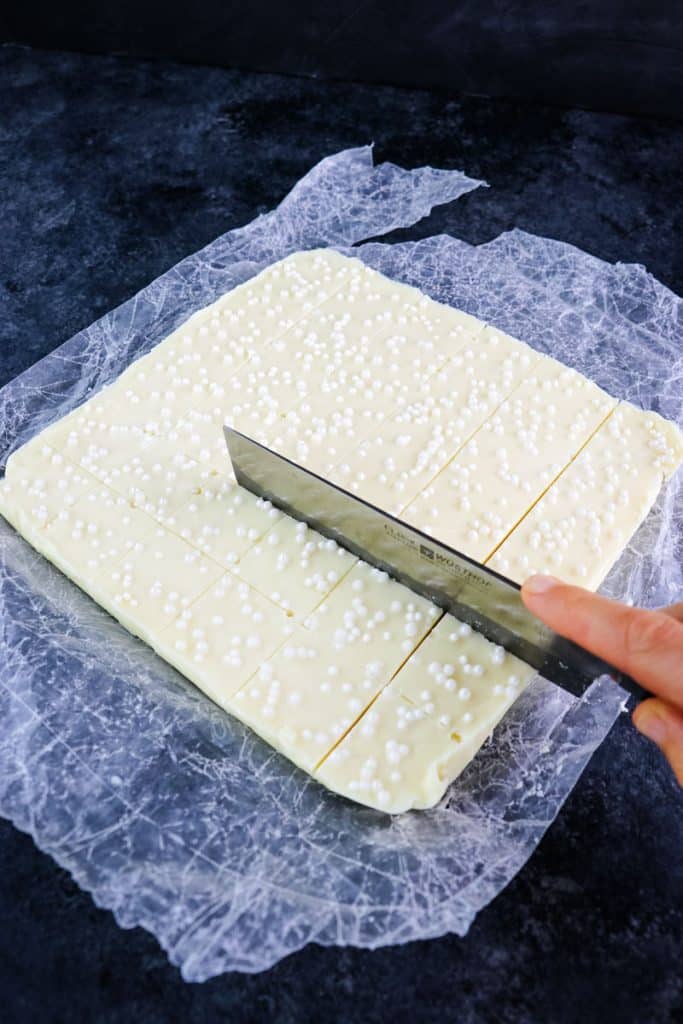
x=473 y=593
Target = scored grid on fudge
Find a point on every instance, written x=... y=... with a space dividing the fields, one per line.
x=354 y=357
x=406 y=452
x=221 y=639
x=353 y=401
x=582 y=524
x=41 y=484
x=143 y=574
x=295 y=566
x=493 y=481
x=446 y=699
x=315 y=687
x=222 y=520
x=336 y=374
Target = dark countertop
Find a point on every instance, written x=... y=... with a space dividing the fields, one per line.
x=110 y=172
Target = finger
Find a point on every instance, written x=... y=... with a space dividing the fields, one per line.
x=663 y=724
x=674 y=610
x=647 y=645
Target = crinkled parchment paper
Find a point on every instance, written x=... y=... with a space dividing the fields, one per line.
x=174 y=815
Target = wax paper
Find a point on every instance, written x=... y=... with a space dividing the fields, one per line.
x=174 y=815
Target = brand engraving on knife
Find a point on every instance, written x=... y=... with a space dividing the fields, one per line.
x=401 y=537
x=458 y=570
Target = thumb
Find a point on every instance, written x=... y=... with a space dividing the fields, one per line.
x=663 y=724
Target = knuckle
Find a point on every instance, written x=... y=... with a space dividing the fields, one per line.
x=646 y=632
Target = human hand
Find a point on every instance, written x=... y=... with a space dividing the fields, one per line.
x=647 y=645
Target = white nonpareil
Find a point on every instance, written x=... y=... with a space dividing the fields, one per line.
x=419 y=408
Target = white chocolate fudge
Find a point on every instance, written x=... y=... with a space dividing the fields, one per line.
x=199 y=436
x=312 y=691
x=504 y=469
x=201 y=355
x=582 y=524
x=158 y=484
x=156 y=477
x=40 y=483
x=148 y=469
x=323 y=268
x=139 y=571
x=417 y=407
x=369 y=608
x=223 y=520
x=95 y=431
x=222 y=638
x=282 y=294
x=295 y=566
x=321 y=350
x=406 y=452
x=210 y=352
x=152 y=399
x=347 y=360
x=428 y=723
x=255 y=391
x=362 y=384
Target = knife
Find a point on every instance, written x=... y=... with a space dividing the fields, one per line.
x=473 y=593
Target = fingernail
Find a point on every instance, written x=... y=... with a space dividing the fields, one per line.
x=540 y=584
x=650 y=723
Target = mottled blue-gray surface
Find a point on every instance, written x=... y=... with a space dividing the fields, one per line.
x=109 y=173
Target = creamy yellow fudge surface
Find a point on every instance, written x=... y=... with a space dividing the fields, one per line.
x=421 y=409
